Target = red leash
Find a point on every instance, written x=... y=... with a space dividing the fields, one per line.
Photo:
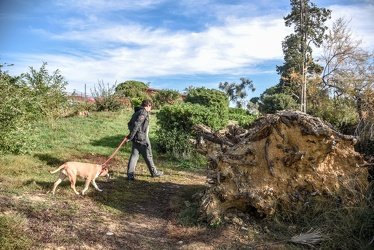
x=115 y=152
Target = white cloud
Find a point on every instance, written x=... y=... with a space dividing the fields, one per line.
x=114 y=51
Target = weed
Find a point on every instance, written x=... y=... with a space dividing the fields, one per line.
x=12 y=235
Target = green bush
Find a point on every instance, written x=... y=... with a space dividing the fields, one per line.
x=182 y=116
x=276 y=102
x=174 y=142
x=30 y=97
x=46 y=93
x=216 y=101
x=175 y=124
x=136 y=91
x=242 y=117
x=165 y=96
x=341 y=115
x=12 y=117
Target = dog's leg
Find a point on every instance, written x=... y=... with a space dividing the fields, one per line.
x=86 y=186
x=72 y=183
x=95 y=185
x=60 y=179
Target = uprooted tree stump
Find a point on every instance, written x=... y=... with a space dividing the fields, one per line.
x=280 y=159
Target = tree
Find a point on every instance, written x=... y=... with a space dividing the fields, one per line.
x=237 y=91
x=47 y=91
x=135 y=90
x=348 y=78
x=348 y=70
x=14 y=118
x=308 y=21
x=23 y=100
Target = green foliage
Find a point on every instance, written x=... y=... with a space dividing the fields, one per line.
x=13 y=116
x=135 y=90
x=237 y=92
x=32 y=96
x=105 y=98
x=339 y=113
x=276 y=102
x=175 y=127
x=165 y=96
x=182 y=116
x=47 y=92
x=174 y=142
x=215 y=100
x=241 y=116
x=308 y=22
x=175 y=122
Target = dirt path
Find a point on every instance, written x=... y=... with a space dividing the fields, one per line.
x=144 y=214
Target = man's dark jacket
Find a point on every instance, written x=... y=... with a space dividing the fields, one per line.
x=138 y=126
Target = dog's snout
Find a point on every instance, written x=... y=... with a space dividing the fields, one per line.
x=107 y=175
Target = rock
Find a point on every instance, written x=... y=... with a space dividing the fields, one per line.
x=280 y=158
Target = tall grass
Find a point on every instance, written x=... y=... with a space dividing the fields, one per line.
x=341 y=227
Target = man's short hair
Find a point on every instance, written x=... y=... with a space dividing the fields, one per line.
x=146 y=103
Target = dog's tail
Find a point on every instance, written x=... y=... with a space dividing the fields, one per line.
x=59 y=168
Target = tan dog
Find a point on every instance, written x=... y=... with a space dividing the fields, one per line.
x=86 y=171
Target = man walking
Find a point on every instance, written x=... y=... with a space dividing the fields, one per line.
x=141 y=144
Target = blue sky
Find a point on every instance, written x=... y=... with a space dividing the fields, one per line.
x=169 y=44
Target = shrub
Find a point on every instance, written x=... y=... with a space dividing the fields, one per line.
x=12 y=116
x=105 y=98
x=339 y=114
x=182 y=116
x=175 y=126
x=46 y=93
x=215 y=100
x=165 y=96
x=276 y=102
x=175 y=122
x=174 y=142
x=241 y=116
x=135 y=90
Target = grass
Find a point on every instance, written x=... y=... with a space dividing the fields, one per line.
x=147 y=213
x=11 y=232
x=26 y=183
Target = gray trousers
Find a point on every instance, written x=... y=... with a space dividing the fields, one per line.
x=146 y=151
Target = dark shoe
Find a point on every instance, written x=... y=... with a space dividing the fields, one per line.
x=130 y=177
x=157 y=173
